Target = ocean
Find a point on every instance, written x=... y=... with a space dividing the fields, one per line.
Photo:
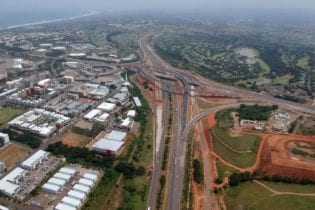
x=18 y=19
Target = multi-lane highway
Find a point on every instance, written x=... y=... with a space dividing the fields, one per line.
x=178 y=149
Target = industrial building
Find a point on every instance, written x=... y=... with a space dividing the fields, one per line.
x=9 y=184
x=69 y=171
x=107 y=107
x=90 y=176
x=62 y=176
x=40 y=122
x=77 y=195
x=81 y=188
x=51 y=188
x=86 y=182
x=126 y=123
x=4 y=139
x=79 y=192
x=116 y=135
x=55 y=184
x=34 y=160
x=92 y=114
x=62 y=206
x=137 y=101
x=108 y=147
x=131 y=113
x=102 y=118
x=71 y=202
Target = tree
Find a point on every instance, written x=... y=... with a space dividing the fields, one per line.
x=234 y=179
x=140 y=171
x=126 y=169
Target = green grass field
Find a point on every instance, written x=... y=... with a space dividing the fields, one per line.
x=137 y=200
x=8 y=113
x=239 y=143
x=252 y=196
x=283 y=80
x=223 y=171
x=296 y=188
x=304 y=63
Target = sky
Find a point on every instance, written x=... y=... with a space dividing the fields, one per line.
x=116 y=5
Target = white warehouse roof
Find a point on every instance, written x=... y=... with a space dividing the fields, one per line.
x=8 y=188
x=71 y=201
x=116 y=135
x=91 y=176
x=108 y=145
x=131 y=113
x=102 y=118
x=77 y=195
x=63 y=176
x=137 y=101
x=62 y=206
x=106 y=106
x=66 y=170
x=81 y=188
x=14 y=175
x=86 y=182
x=51 y=188
x=93 y=113
x=33 y=160
x=55 y=181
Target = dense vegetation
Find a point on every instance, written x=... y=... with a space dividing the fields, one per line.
x=276 y=58
x=255 y=112
x=96 y=129
x=80 y=155
x=24 y=138
x=198 y=171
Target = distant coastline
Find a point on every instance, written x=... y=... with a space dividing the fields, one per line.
x=48 y=21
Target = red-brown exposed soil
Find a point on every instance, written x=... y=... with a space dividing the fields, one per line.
x=277 y=160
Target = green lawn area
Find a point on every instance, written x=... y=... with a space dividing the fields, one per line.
x=242 y=160
x=8 y=113
x=239 y=143
x=137 y=199
x=223 y=171
x=296 y=188
x=252 y=196
x=304 y=63
x=283 y=80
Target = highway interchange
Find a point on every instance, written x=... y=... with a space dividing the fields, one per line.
x=182 y=127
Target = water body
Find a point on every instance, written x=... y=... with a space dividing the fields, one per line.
x=20 y=19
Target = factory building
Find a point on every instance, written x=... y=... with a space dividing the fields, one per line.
x=108 y=147
x=90 y=176
x=69 y=171
x=92 y=114
x=9 y=184
x=126 y=123
x=51 y=188
x=71 y=202
x=76 y=195
x=81 y=188
x=107 y=107
x=131 y=113
x=116 y=135
x=4 y=139
x=102 y=118
x=62 y=206
x=137 y=101
x=34 y=160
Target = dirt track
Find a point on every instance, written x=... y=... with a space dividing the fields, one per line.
x=276 y=159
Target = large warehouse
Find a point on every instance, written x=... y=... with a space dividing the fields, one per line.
x=108 y=147
x=107 y=107
x=34 y=160
x=9 y=184
x=116 y=135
